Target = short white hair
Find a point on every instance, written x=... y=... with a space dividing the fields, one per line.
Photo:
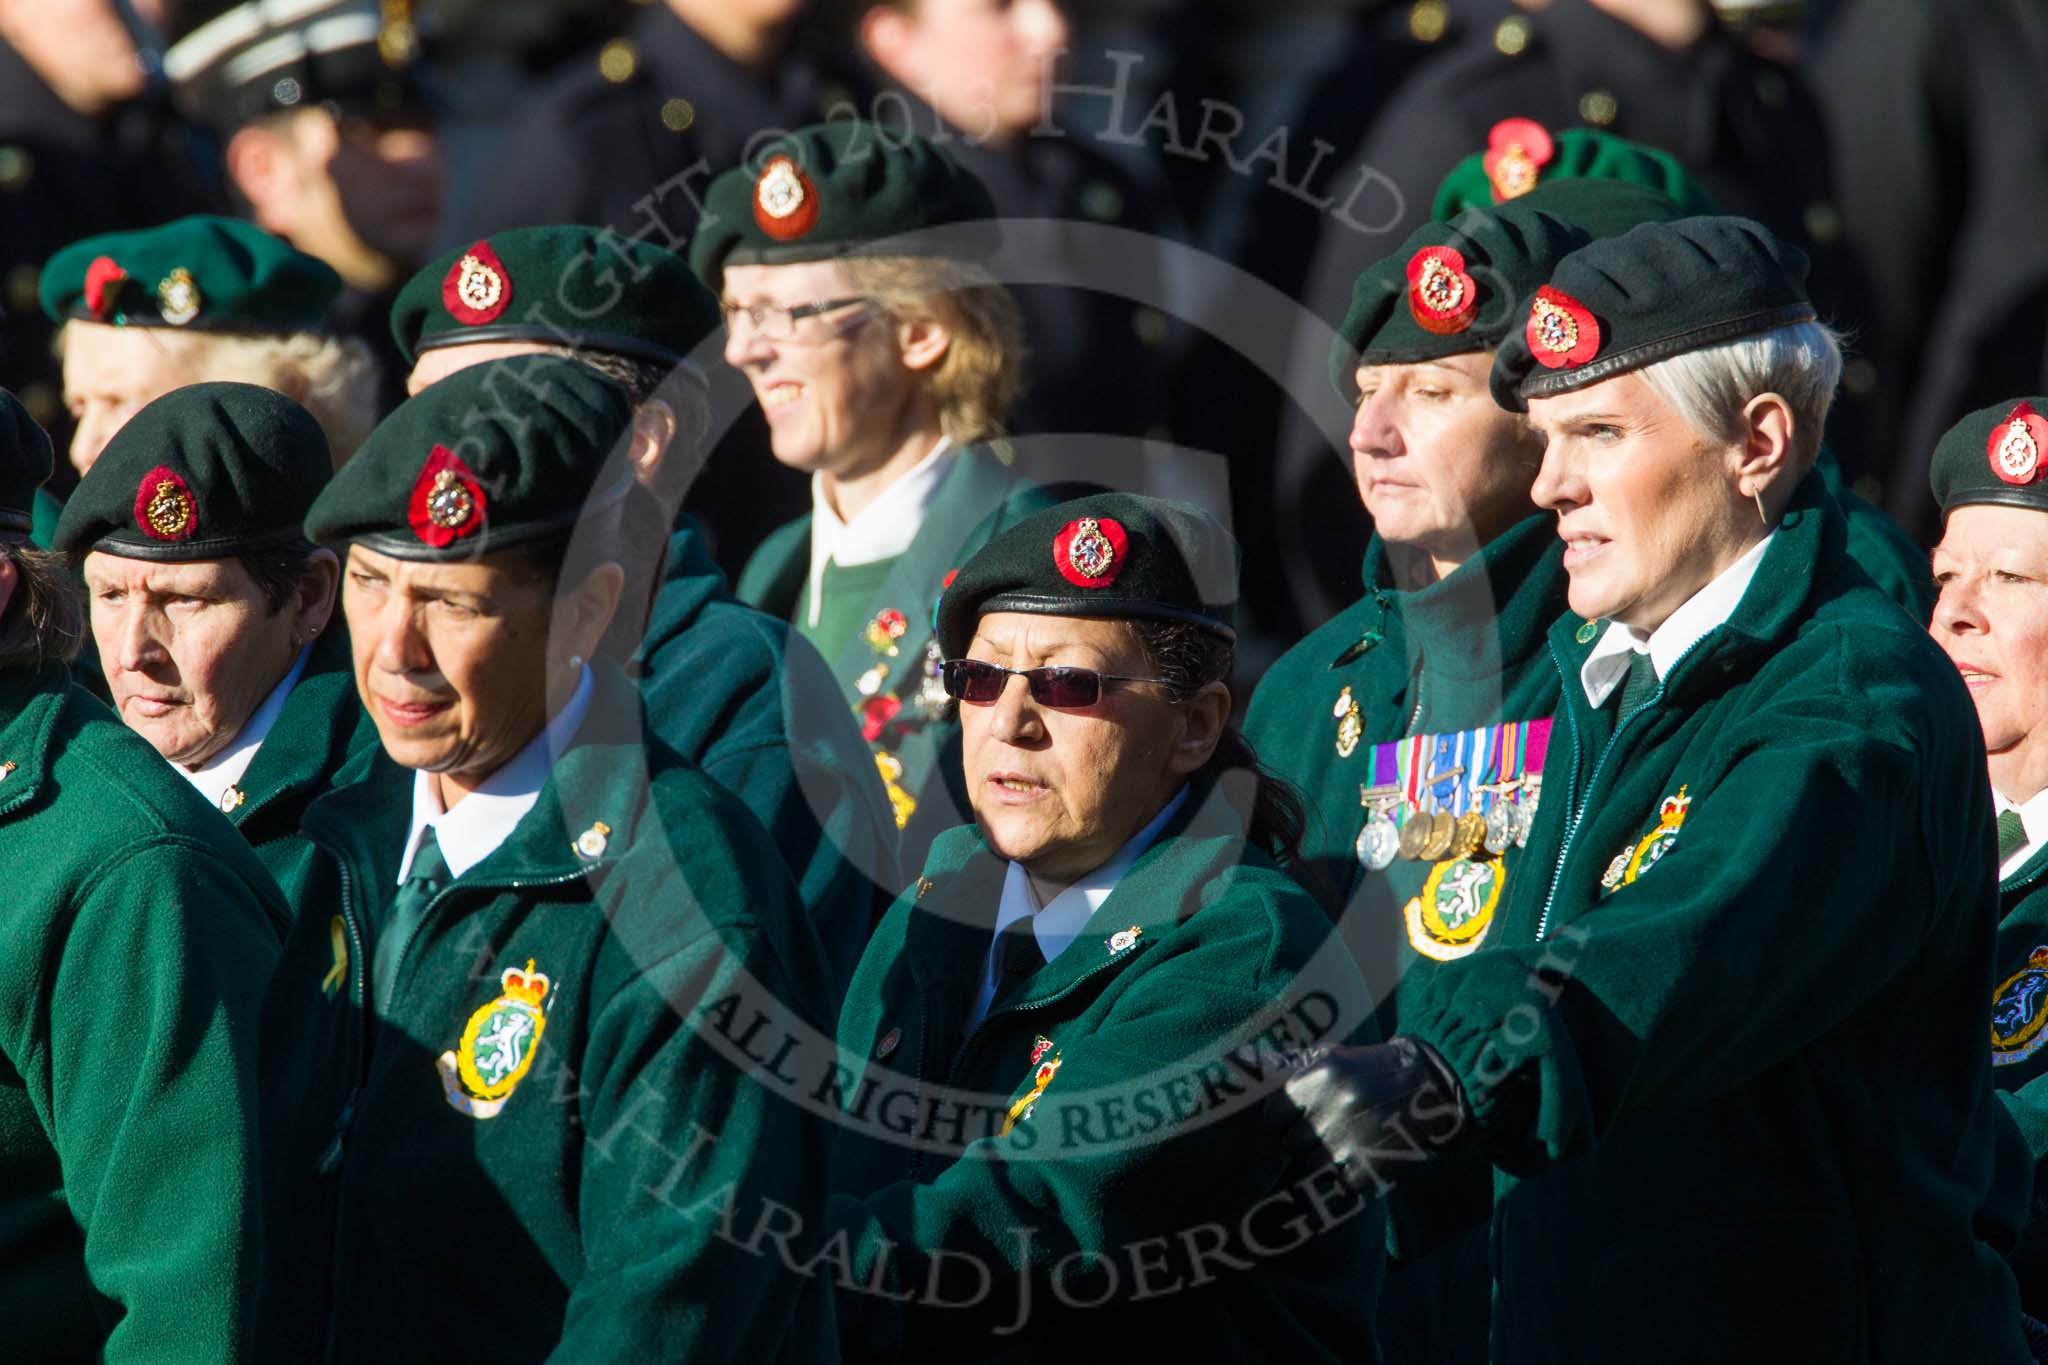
x=1709 y=387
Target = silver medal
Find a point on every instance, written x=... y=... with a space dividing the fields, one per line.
x=1379 y=842
x=1500 y=831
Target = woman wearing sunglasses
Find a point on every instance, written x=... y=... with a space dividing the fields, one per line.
x=1068 y=1019
x=883 y=355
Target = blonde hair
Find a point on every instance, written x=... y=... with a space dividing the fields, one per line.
x=977 y=380
x=333 y=378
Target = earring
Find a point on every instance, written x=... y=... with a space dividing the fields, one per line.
x=1761 y=515
x=575 y=663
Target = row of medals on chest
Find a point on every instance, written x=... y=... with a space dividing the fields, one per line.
x=1432 y=836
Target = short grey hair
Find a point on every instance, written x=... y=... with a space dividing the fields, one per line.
x=1709 y=387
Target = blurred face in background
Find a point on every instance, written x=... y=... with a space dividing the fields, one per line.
x=111 y=373
x=364 y=197
x=984 y=65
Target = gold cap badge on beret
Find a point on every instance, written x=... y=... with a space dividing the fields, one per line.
x=1441 y=296
x=2015 y=445
x=1091 y=552
x=1561 y=332
x=1517 y=150
x=785 y=200
x=447 y=501
x=177 y=297
x=164 y=508
x=103 y=281
x=476 y=289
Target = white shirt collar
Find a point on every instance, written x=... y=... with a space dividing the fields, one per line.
x=1059 y=922
x=2034 y=819
x=225 y=768
x=1699 y=615
x=487 y=816
x=881 y=530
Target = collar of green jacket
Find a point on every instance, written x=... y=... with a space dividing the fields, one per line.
x=321 y=724
x=1490 y=612
x=963 y=884
x=690 y=578
x=30 y=700
x=1811 y=543
x=599 y=780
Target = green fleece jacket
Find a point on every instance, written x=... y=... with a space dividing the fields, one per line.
x=2019 y=1054
x=547 y=1146
x=1096 y=1139
x=321 y=725
x=916 y=746
x=1727 y=1052
x=135 y=938
x=736 y=692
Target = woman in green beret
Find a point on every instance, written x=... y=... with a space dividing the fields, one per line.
x=1070 y=1018
x=1725 y=1046
x=211 y=611
x=1991 y=619
x=508 y=1108
x=136 y=936
x=884 y=357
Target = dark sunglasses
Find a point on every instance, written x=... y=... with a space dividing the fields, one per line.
x=971 y=680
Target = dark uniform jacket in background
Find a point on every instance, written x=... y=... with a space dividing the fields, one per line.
x=979 y=498
x=741 y=695
x=136 y=936
x=1728 y=1053
x=321 y=725
x=572 y=1224
x=1146 y=1134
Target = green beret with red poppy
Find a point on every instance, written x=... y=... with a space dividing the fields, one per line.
x=207 y=471
x=496 y=455
x=1996 y=456
x=202 y=274
x=1522 y=156
x=1119 y=555
x=1656 y=291
x=844 y=188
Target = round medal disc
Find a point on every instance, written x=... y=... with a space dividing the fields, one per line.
x=1499 y=829
x=1442 y=828
x=1521 y=820
x=1467 y=834
x=1378 y=842
x=1414 y=831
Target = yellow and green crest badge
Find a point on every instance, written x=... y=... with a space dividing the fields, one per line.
x=2019 y=1021
x=498 y=1045
x=1451 y=916
x=1633 y=862
x=1044 y=1068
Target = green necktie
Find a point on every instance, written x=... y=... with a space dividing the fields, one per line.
x=2012 y=834
x=424 y=880
x=1642 y=681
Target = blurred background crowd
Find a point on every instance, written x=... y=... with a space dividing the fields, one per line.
x=1209 y=176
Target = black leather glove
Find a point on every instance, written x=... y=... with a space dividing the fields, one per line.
x=1375 y=1109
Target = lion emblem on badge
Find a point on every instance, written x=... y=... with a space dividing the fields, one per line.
x=2019 y=1024
x=498 y=1045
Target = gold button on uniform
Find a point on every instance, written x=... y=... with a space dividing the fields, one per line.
x=1427 y=20
x=1598 y=107
x=1512 y=36
x=677 y=115
x=17 y=168
x=617 y=61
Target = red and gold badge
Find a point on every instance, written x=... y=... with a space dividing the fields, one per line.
x=164 y=506
x=1517 y=150
x=785 y=200
x=447 y=501
x=1091 y=552
x=875 y=715
x=477 y=289
x=1560 y=330
x=2016 y=444
x=1441 y=295
x=103 y=281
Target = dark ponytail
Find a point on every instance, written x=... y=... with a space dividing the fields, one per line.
x=1191 y=658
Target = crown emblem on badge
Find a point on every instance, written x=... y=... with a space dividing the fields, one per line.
x=529 y=986
x=447 y=501
x=1517 y=150
x=103 y=281
x=785 y=200
x=477 y=289
x=1441 y=296
x=2014 y=447
x=177 y=297
x=1560 y=331
x=164 y=507
x=1090 y=552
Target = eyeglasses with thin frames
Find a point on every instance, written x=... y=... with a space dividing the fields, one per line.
x=971 y=680
x=778 y=322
